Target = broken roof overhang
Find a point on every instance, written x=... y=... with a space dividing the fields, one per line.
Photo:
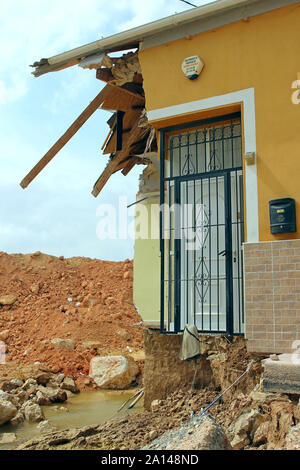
x=132 y=38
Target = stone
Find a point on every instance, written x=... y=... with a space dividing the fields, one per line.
x=46 y=426
x=17 y=382
x=240 y=441
x=8 y=299
x=4 y=334
x=29 y=383
x=153 y=435
x=48 y=395
x=113 y=372
x=59 y=343
x=246 y=424
x=18 y=419
x=292 y=440
x=7 y=438
x=282 y=376
x=69 y=384
x=7 y=411
x=155 y=405
x=33 y=412
x=208 y=435
x=91 y=345
x=261 y=434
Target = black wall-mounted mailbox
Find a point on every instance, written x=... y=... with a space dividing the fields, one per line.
x=283 y=216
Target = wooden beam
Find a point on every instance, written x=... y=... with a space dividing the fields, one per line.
x=135 y=133
x=77 y=124
x=132 y=162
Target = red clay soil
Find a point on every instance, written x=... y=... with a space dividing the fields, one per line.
x=76 y=298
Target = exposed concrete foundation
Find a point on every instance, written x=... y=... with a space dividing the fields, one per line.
x=220 y=365
x=282 y=375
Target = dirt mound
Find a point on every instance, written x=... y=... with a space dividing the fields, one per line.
x=44 y=297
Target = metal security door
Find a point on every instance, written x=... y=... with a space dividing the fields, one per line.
x=204 y=254
x=202 y=236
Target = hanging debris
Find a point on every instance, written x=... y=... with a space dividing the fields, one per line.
x=131 y=138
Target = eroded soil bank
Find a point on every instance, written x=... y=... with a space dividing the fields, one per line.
x=43 y=297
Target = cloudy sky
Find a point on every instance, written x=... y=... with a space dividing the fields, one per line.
x=57 y=214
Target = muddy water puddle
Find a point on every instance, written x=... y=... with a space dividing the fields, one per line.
x=80 y=410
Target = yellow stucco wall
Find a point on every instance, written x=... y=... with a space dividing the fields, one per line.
x=262 y=53
x=146 y=271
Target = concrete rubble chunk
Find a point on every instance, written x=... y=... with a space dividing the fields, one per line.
x=282 y=376
x=113 y=372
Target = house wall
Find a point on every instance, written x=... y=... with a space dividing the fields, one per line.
x=146 y=274
x=256 y=56
x=261 y=54
x=272 y=296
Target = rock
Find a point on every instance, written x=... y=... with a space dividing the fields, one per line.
x=69 y=384
x=246 y=424
x=33 y=412
x=240 y=441
x=208 y=435
x=91 y=345
x=7 y=411
x=46 y=396
x=261 y=434
x=7 y=438
x=292 y=441
x=113 y=372
x=18 y=419
x=17 y=383
x=46 y=426
x=29 y=383
x=153 y=435
x=8 y=299
x=4 y=335
x=59 y=343
x=155 y=405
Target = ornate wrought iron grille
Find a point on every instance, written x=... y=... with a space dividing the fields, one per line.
x=202 y=226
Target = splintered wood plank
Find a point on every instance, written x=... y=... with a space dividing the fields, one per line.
x=120 y=99
x=135 y=134
x=129 y=119
x=132 y=162
x=77 y=124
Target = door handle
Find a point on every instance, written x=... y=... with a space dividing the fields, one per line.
x=222 y=253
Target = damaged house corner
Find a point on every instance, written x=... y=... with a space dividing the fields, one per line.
x=131 y=139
